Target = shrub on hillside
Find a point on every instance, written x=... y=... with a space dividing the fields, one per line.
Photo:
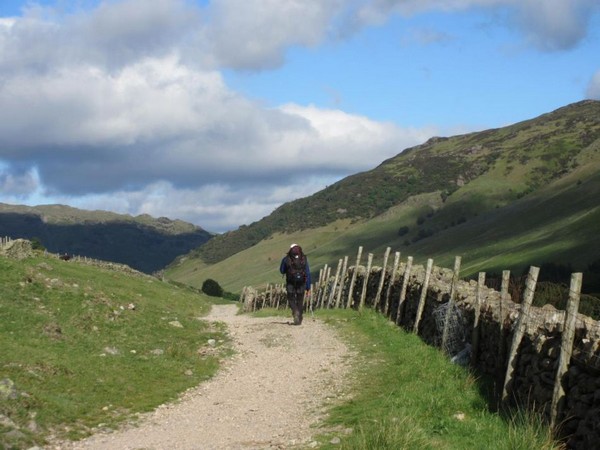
x=403 y=230
x=36 y=244
x=212 y=288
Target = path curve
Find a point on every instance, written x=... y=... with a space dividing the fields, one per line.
x=268 y=396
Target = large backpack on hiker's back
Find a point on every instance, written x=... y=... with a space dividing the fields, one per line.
x=296 y=267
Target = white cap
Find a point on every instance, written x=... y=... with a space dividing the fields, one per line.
x=293 y=245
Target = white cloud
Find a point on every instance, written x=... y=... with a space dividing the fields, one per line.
x=255 y=34
x=550 y=25
x=348 y=142
x=19 y=184
x=554 y=25
x=124 y=106
x=215 y=207
x=160 y=137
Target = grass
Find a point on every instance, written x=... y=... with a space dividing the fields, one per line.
x=406 y=395
x=86 y=346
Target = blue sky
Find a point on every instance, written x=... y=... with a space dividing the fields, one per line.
x=217 y=112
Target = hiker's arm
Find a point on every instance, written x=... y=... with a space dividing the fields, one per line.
x=282 y=267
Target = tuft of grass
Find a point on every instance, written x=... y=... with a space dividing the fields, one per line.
x=407 y=395
x=528 y=430
x=86 y=346
x=387 y=433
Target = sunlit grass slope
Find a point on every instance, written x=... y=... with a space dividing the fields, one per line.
x=85 y=346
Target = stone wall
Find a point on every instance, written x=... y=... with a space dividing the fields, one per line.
x=531 y=384
x=15 y=249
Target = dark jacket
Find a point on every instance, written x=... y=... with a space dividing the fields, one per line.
x=283 y=269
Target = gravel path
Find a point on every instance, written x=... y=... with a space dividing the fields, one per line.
x=270 y=395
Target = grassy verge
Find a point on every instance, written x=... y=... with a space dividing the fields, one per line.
x=84 y=347
x=406 y=395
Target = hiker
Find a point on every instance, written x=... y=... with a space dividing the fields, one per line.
x=294 y=266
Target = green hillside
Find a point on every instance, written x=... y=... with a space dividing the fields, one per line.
x=142 y=242
x=83 y=345
x=502 y=199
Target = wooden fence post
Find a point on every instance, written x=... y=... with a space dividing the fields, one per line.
x=267 y=297
x=477 y=312
x=566 y=345
x=323 y=286
x=451 y=301
x=423 y=297
x=351 y=290
x=335 y=283
x=363 y=294
x=326 y=287
x=382 y=278
x=264 y=297
x=317 y=290
x=405 y=279
x=520 y=327
x=279 y=289
x=391 y=283
x=504 y=298
x=342 y=282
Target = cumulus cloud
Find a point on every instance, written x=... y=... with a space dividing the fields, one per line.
x=255 y=34
x=116 y=116
x=87 y=131
x=554 y=25
x=124 y=106
x=112 y=35
x=551 y=25
x=221 y=206
x=345 y=141
x=20 y=184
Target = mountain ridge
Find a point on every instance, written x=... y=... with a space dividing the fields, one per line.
x=513 y=161
x=142 y=242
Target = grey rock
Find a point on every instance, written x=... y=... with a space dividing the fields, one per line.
x=8 y=391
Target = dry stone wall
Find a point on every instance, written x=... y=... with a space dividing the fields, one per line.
x=16 y=249
x=529 y=380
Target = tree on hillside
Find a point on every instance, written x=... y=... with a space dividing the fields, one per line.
x=212 y=288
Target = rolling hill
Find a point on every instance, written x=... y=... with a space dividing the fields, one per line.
x=143 y=242
x=502 y=198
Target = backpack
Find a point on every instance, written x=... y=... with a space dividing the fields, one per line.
x=296 y=268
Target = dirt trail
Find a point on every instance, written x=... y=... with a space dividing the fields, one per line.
x=269 y=395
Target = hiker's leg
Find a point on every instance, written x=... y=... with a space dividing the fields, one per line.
x=300 y=297
x=297 y=309
x=291 y=294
